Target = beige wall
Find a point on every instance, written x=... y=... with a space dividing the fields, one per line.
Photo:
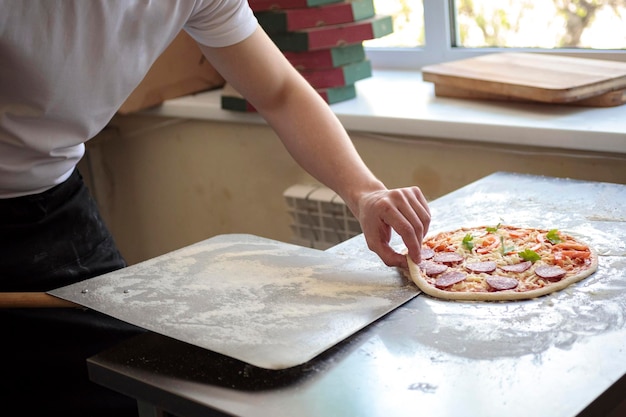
x=166 y=183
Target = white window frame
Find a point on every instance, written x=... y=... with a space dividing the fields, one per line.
x=438 y=27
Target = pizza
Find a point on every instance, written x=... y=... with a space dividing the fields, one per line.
x=500 y=262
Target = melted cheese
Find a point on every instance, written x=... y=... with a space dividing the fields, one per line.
x=503 y=247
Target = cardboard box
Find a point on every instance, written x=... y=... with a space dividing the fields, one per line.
x=180 y=70
x=289 y=20
x=326 y=58
x=232 y=100
x=338 y=77
x=337 y=94
x=262 y=5
x=334 y=35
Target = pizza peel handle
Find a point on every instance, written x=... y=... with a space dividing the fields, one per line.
x=33 y=300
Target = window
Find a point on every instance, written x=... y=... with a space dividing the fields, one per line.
x=432 y=31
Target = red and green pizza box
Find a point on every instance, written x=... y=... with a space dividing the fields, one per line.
x=334 y=35
x=231 y=100
x=326 y=58
x=263 y=5
x=337 y=94
x=337 y=77
x=289 y=20
x=237 y=104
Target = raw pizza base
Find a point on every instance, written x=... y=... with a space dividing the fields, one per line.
x=419 y=278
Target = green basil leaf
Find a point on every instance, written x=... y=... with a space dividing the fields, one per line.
x=467 y=242
x=529 y=255
x=553 y=236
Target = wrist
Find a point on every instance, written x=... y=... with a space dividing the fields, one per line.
x=357 y=195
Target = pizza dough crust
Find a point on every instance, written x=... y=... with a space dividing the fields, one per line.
x=417 y=276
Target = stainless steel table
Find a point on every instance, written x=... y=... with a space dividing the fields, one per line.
x=559 y=355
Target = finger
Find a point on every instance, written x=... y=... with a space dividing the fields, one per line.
x=413 y=221
x=404 y=210
x=390 y=257
x=377 y=237
x=417 y=213
x=419 y=206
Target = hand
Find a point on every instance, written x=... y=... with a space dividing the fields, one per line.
x=404 y=210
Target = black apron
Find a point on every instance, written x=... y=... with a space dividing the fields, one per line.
x=47 y=241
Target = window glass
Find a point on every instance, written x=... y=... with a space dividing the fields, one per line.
x=594 y=24
x=408 y=23
x=433 y=31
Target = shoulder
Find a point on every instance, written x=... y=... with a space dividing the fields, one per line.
x=220 y=23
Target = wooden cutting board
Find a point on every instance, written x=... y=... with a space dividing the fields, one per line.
x=536 y=77
x=610 y=99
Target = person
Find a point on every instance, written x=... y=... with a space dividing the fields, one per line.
x=67 y=66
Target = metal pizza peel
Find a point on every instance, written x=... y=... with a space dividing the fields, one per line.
x=267 y=303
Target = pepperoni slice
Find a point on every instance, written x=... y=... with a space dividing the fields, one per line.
x=432 y=268
x=500 y=283
x=427 y=253
x=551 y=273
x=448 y=257
x=450 y=278
x=520 y=267
x=478 y=267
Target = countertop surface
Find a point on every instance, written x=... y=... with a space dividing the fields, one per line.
x=551 y=356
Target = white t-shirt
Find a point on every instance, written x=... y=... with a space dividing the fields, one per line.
x=67 y=65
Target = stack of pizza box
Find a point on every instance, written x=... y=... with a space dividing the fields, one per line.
x=323 y=40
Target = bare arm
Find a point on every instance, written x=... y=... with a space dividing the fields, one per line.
x=318 y=142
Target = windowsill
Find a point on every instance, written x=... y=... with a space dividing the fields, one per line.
x=401 y=103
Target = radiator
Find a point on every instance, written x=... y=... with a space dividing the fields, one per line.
x=319 y=217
